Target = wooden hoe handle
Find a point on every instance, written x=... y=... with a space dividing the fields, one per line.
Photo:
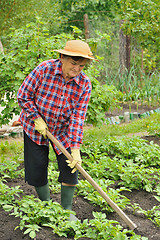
x=93 y=183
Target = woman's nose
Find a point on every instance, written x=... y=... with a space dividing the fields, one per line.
x=77 y=68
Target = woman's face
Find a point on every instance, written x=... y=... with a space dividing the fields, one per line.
x=72 y=68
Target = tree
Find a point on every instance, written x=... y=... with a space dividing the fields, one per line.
x=17 y=13
x=141 y=21
x=75 y=10
x=28 y=46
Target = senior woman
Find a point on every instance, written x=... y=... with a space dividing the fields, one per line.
x=55 y=96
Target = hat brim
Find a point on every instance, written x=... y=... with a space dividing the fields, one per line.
x=69 y=53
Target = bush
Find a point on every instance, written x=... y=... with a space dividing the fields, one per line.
x=32 y=45
x=103 y=98
x=29 y=46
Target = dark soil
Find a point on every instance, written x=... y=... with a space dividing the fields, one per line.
x=84 y=210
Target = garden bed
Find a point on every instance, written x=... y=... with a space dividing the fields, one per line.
x=84 y=209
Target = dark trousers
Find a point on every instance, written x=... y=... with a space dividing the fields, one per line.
x=36 y=165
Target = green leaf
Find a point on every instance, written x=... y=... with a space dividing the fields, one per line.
x=8 y=208
x=158 y=198
x=20 y=75
x=32 y=234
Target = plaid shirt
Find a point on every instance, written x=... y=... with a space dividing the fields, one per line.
x=62 y=105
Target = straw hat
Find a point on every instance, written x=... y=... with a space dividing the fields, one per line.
x=77 y=48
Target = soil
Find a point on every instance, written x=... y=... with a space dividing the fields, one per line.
x=84 y=210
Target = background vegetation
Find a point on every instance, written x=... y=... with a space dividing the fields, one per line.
x=123 y=35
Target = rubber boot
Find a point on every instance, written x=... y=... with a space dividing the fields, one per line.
x=43 y=192
x=67 y=193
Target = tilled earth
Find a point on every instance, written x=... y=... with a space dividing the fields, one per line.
x=83 y=210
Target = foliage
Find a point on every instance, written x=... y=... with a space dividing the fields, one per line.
x=138 y=125
x=53 y=176
x=141 y=21
x=13 y=149
x=89 y=193
x=8 y=169
x=29 y=46
x=17 y=14
x=103 y=98
x=75 y=10
x=8 y=194
x=154 y=128
x=34 y=214
x=132 y=161
x=152 y=214
x=136 y=87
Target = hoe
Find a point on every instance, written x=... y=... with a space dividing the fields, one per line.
x=127 y=220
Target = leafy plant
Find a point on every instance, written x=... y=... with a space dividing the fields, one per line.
x=29 y=46
x=52 y=178
x=9 y=169
x=7 y=196
x=89 y=193
x=154 y=128
x=152 y=214
x=103 y=98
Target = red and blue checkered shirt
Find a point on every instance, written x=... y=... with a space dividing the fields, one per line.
x=62 y=105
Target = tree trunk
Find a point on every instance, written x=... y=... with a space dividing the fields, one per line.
x=142 y=67
x=86 y=26
x=124 y=52
x=128 y=52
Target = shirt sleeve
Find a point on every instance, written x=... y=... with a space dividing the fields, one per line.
x=26 y=94
x=78 y=117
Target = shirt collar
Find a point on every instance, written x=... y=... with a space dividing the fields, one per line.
x=58 y=68
x=77 y=79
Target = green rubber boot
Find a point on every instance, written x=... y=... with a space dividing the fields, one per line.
x=67 y=193
x=43 y=192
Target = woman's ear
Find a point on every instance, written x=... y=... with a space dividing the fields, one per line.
x=61 y=57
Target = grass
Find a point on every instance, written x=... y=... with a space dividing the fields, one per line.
x=140 y=125
x=14 y=149
x=11 y=150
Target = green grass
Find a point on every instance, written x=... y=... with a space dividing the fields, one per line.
x=14 y=149
x=140 y=125
x=11 y=150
